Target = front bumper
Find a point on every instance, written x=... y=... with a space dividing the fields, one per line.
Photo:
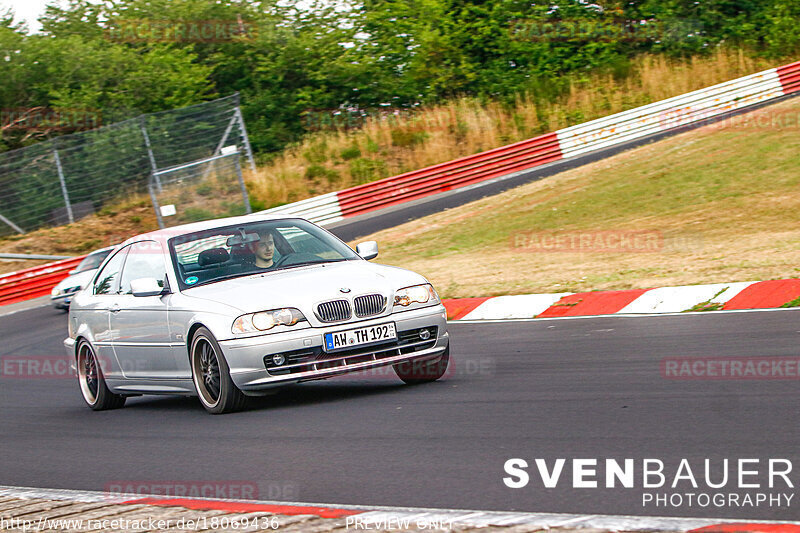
x=246 y=357
x=62 y=300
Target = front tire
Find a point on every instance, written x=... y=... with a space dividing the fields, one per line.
x=415 y=372
x=94 y=390
x=212 y=377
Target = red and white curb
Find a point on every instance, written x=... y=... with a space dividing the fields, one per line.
x=714 y=297
x=394 y=518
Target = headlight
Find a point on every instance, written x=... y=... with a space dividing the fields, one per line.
x=417 y=294
x=55 y=292
x=266 y=320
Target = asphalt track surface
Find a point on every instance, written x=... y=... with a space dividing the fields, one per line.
x=588 y=388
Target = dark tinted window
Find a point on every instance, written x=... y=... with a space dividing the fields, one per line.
x=145 y=260
x=107 y=280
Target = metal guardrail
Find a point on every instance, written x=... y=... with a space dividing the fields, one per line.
x=665 y=115
x=34 y=282
x=34 y=257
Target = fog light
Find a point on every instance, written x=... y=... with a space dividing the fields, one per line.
x=278 y=359
x=424 y=334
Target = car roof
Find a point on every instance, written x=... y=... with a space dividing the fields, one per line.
x=167 y=233
x=101 y=250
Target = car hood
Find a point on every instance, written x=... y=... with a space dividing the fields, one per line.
x=303 y=287
x=81 y=279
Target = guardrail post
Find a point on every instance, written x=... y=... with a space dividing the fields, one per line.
x=156 y=207
x=13 y=226
x=247 y=208
x=150 y=152
x=63 y=186
x=245 y=139
x=234 y=119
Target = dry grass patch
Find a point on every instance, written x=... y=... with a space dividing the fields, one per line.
x=390 y=145
x=107 y=227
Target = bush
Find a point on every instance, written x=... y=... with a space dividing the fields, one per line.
x=257 y=205
x=317 y=153
x=351 y=153
x=205 y=189
x=407 y=137
x=319 y=171
x=195 y=214
x=365 y=170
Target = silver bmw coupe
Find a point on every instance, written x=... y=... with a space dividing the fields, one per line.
x=227 y=308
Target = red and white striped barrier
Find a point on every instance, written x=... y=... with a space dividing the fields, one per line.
x=36 y=281
x=717 y=296
x=613 y=130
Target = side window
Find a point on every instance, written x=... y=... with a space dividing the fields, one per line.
x=145 y=260
x=107 y=280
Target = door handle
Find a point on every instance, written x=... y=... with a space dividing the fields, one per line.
x=114 y=308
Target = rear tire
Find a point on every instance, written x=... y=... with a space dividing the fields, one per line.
x=415 y=372
x=93 y=386
x=211 y=375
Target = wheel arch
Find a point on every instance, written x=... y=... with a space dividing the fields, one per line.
x=190 y=336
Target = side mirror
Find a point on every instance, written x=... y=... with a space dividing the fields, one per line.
x=72 y=272
x=147 y=287
x=367 y=250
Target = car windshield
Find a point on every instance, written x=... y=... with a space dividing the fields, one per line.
x=233 y=251
x=92 y=261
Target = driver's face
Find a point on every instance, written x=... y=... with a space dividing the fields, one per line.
x=265 y=248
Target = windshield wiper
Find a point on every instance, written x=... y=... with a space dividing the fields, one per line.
x=223 y=278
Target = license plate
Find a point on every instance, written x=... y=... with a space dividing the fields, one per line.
x=353 y=338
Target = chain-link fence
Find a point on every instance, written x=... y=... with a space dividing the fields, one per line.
x=64 y=179
x=200 y=190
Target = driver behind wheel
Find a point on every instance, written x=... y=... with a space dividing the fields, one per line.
x=264 y=249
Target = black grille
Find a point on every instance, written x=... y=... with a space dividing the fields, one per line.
x=369 y=305
x=315 y=358
x=335 y=311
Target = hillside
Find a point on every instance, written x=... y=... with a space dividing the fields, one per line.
x=716 y=204
x=388 y=145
